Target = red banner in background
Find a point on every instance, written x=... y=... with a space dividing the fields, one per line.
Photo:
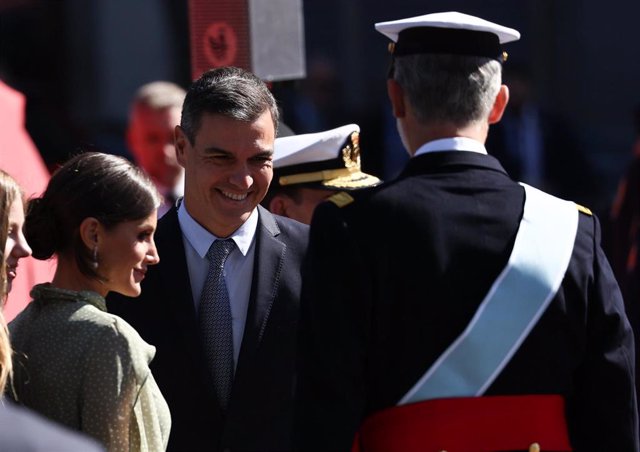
x=264 y=37
x=219 y=35
x=21 y=159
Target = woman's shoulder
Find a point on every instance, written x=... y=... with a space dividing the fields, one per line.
x=138 y=347
x=114 y=340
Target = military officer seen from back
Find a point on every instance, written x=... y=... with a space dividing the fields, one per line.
x=453 y=308
x=311 y=167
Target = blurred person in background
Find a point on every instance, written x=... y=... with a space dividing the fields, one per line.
x=153 y=116
x=537 y=146
x=624 y=237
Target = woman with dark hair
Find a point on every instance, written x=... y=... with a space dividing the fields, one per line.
x=74 y=362
x=22 y=429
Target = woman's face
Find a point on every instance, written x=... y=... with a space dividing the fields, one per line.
x=16 y=247
x=124 y=253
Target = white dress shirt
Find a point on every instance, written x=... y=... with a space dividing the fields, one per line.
x=238 y=268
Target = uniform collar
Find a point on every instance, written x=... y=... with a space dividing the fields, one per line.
x=452 y=144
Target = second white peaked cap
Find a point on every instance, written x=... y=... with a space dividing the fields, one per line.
x=329 y=159
x=450 y=20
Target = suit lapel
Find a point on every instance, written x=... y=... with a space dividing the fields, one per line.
x=174 y=277
x=269 y=257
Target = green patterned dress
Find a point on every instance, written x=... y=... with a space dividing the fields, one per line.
x=88 y=369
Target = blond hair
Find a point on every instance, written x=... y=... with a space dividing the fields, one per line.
x=9 y=192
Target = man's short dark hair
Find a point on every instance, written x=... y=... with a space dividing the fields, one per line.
x=228 y=91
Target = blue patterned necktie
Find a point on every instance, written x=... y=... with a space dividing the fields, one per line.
x=215 y=321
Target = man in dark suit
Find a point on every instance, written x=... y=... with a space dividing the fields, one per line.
x=452 y=308
x=225 y=144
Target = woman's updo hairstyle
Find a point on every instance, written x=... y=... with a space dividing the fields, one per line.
x=90 y=184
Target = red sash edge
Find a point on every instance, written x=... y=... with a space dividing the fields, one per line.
x=467 y=424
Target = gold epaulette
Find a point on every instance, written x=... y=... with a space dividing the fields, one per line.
x=341 y=199
x=584 y=210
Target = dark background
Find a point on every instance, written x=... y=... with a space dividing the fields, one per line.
x=79 y=62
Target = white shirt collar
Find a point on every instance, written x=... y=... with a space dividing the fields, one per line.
x=452 y=144
x=201 y=239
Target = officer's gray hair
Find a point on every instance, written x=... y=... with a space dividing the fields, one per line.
x=449 y=88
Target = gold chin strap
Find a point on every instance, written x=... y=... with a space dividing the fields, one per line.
x=316 y=176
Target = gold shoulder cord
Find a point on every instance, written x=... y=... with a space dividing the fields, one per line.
x=341 y=199
x=584 y=210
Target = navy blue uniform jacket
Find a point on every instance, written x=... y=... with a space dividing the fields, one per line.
x=394 y=277
x=259 y=415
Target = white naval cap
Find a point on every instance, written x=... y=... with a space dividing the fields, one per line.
x=447 y=32
x=329 y=159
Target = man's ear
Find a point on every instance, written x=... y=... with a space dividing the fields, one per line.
x=181 y=142
x=396 y=96
x=499 y=105
x=90 y=229
x=278 y=205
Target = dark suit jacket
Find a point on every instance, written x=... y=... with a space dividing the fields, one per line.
x=23 y=430
x=398 y=275
x=259 y=414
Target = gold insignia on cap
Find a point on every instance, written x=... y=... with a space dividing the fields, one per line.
x=505 y=55
x=391 y=47
x=351 y=153
x=347 y=175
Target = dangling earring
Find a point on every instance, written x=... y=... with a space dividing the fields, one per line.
x=94 y=263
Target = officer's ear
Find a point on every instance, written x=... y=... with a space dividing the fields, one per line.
x=499 y=105
x=278 y=205
x=396 y=96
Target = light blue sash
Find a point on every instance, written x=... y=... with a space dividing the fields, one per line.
x=515 y=302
